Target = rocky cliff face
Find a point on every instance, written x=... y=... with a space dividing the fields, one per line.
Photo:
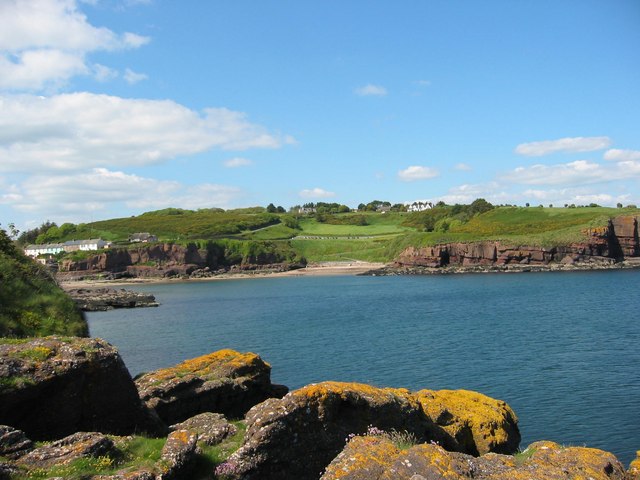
x=152 y=260
x=614 y=242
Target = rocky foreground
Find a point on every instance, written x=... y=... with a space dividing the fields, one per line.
x=77 y=394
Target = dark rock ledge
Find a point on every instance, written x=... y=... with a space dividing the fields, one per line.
x=101 y=299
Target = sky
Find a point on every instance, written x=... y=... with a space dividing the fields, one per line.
x=110 y=108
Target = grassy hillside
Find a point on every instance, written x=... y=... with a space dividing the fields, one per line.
x=367 y=236
x=176 y=224
x=31 y=303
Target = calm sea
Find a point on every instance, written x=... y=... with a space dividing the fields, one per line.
x=561 y=348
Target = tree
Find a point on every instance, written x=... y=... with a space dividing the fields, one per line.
x=271 y=208
x=619 y=205
x=480 y=205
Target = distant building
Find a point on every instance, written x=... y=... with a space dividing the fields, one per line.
x=306 y=210
x=70 y=246
x=44 y=249
x=142 y=237
x=419 y=206
x=383 y=208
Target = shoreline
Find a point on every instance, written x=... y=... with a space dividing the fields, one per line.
x=357 y=268
x=320 y=269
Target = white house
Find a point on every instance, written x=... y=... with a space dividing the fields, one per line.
x=70 y=246
x=142 y=237
x=45 y=249
x=419 y=206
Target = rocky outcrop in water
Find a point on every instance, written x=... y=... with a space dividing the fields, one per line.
x=226 y=382
x=377 y=457
x=52 y=387
x=314 y=423
x=102 y=299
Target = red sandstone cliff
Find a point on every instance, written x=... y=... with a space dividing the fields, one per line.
x=615 y=242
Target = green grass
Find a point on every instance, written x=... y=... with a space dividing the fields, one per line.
x=31 y=303
x=377 y=224
x=137 y=453
x=175 y=224
x=273 y=232
x=325 y=250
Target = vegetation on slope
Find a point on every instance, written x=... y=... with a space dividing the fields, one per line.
x=333 y=234
x=31 y=303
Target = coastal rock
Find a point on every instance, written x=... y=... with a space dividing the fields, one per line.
x=154 y=256
x=178 y=455
x=634 y=468
x=76 y=446
x=102 y=299
x=614 y=242
x=377 y=458
x=211 y=428
x=316 y=421
x=475 y=423
x=225 y=381
x=13 y=443
x=52 y=387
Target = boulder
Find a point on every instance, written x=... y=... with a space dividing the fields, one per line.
x=13 y=443
x=211 y=428
x=634 y=468
x=226 y=382
x=315 y=421
x=76 y=446
x=474 y=423
x=178 y=455
x=52 y=387
x=377 y=458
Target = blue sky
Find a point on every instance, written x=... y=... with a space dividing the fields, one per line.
x=109 y=108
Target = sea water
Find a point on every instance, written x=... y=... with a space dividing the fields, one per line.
x=562 y=349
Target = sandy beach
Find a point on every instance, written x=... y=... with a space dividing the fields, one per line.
x=314 y=269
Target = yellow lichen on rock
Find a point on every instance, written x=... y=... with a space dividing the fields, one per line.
x=546 y=461
x=222 y=362
x=634 y=468
x=471 y=417
x=344 y=390
x=365 y=456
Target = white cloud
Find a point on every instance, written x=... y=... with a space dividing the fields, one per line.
x=84 y=130
x=416 y=172
x=35 y=69
x=423 y=83
x=132 y=77
x=574 y=173
x=102 y=189
x=316 y=193
x=577 y=196
x=43 y=43
x=463 y=167
x=371 y=90
x=103 y=74
x=566 y=145
x=237 y=162
x=617 y=155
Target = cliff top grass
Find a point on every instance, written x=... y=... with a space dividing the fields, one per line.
x=31 y=303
